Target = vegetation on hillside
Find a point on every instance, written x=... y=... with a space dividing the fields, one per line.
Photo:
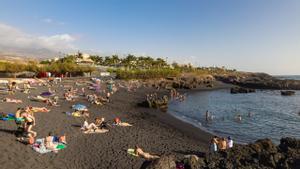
x=60 y=66
x=129 y=67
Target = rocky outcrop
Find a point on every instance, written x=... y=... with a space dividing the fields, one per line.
x=152 y=101
x=164 y=162
x=263 y=154
x=288 y=93
x=236 y=90
x=185 y=82
x=259 y=81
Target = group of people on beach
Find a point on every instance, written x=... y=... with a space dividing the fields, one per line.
x=220 y=144
x=155 y=102
x=24 y=117
x=175 y=95
x=99 y=123
x=26 y=121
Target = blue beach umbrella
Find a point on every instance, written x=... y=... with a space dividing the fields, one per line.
x=79 y=107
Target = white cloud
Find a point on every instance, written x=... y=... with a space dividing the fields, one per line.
x=11 y=37
x=52 y=21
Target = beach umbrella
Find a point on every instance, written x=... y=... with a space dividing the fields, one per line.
x=79 y=107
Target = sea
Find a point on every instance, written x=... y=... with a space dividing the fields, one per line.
x=271 y=115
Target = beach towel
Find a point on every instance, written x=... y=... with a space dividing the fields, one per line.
x=46 y=94
x=96 y=131
x=74 y=114
x=40 y=147
x=10 y=117
x=131 y=151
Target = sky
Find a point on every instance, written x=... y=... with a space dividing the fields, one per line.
x=248 y=35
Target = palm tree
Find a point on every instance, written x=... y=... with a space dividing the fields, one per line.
x=115 y=59
x=130 y=61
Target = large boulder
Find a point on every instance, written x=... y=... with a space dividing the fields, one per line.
x=164 y=162
x=193 y=162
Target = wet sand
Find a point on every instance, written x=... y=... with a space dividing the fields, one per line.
x=154 y=131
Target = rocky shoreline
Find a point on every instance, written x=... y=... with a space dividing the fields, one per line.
x=259 y=81
x=261 y=154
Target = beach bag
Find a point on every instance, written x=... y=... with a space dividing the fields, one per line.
x=179 y=166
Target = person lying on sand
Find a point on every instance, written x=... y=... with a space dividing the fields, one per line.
x=139 y=152
x=9 y=100
x=51 y=102
x=118 y=122
x=37 y=109
x=69 y=96
x=38 y=98
x=87 y=127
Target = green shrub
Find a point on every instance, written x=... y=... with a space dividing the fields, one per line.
x=145 y=73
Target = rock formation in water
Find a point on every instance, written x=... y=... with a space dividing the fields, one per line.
x=236 y=90
x=287 y=93
x=259 y=81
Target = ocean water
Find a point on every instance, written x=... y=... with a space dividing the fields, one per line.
x=274 y=116
x=289 y=77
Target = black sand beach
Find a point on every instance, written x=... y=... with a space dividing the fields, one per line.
x=154 y=131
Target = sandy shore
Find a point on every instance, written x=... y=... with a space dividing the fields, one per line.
x=154 y=131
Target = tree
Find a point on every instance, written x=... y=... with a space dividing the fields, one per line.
x=97 y=59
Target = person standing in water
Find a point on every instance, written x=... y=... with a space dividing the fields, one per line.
x=207 y=115
x=250 y=114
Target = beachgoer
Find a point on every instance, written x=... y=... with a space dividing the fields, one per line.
x=222 y=144
x=49 y=143
x=27 y=140
x=207 y=115
x=87 y=127
x=103 y=124
x=108 y=97
x=9 y=100
x=239 y=118
x=117 y=121
x=29 y=123
x=250 y=114
x=139 y=152
x=229 y=142
x=214 y=144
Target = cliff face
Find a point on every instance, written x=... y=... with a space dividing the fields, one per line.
x=259 y=81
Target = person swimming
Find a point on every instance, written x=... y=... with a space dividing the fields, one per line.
x=239 y=118
x=250 y=114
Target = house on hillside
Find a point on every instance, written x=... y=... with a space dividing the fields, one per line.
x=84 y=59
